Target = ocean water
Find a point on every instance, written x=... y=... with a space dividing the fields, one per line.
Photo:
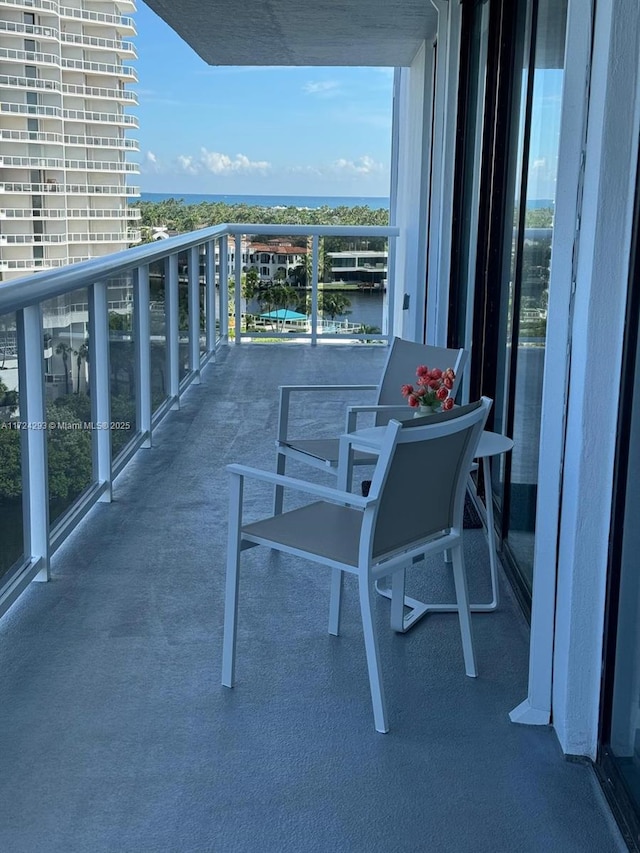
x=312 y=201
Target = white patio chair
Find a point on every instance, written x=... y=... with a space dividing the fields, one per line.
x=399 y=369
x=372 y=537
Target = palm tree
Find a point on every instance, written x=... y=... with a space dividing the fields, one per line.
x=64 y=350
x=81 y=354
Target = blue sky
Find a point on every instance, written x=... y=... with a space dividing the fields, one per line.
x=284 y=131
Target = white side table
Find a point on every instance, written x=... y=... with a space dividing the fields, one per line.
x=490 y=444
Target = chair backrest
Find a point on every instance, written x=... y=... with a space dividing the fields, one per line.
x=402 y=361
x=421 y=476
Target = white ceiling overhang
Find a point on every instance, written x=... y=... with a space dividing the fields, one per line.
x=302 y=32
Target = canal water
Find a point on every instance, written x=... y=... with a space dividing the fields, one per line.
x=366 y=307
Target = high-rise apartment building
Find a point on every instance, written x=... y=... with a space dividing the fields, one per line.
x=64 y=71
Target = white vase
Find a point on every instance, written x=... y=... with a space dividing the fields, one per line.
x=427 y=410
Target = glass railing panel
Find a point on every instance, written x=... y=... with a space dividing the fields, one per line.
x=65 y=323
x=352 y=285
x=158 y=327
x=11 y=529
x=183 y=313
x=122 y=363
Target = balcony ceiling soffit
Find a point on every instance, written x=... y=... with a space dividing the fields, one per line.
x=299 y=32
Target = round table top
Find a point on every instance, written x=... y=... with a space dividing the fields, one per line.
x=493 y=443
x=490 y=444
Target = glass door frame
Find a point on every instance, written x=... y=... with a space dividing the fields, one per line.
x=612 y=781
x=507 y=49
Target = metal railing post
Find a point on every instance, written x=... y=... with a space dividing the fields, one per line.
x=389 y=295
x=142 y=345
x=315 y=243
x=33 y=417
x=194 y=312
x=172 y=331
x=210 y=296
x=99 y=384
x=224 y=288
x=238 y=288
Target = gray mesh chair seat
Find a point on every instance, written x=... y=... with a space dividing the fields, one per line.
x=400 y=367
x=371 y=537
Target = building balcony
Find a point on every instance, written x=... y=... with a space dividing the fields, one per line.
x=31 y=136
x=30 y=5
x=102 y=237
x=29 y=56
x=29 y=30
x=125 y=72
x=122 y=48
x=10 y=108
x=102 y=142
x=131 y=213
x=101 y=118
x=124 y=24
x=22 y=213
x=101 y=166
x=9 y=81
x=96 y=92
x=30 y=264
x=32 y=162
x=31 y=239
x=69 y=189
x=110 y=683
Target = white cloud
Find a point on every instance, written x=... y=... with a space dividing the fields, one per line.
x=364 y=165
x=187 y=165
x=323 y=88
x=216 y=163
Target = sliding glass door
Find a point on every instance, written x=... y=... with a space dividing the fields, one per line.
x=506 y=180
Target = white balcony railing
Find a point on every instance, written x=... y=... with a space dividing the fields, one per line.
x=31 y=136
x=29 y=30
x=101 y=118
x=13 y=82
x=124 y=71
x=32 y=162
x=121 y=22
x=30 y=110
x=210 y=321
x=102 y=142
x=71 y=189
x=72 y=165
x=124 y=48
x=22 y=213
x=98 y=92
x=32 y=263
x=45 y=5
x=31 y=239
x=29 y=56
x=101 y=166
x=103 y=237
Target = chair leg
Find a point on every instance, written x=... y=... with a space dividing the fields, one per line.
x=335 y=602
x=464 y=614
x=397 y=601
x=373 y=659
x=278 y=492
x=232 y=584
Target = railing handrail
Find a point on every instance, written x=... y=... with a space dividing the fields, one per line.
x=29 y=290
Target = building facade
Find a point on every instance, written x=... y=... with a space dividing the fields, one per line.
x=64 y=144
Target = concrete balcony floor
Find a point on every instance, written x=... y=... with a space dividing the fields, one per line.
x=115 y=734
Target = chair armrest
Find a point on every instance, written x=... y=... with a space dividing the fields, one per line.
x=399 y=412
x=287 y=390
x=319 y=491
x=290 y=388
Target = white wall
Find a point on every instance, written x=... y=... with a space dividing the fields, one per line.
x=595 y=353
x=412 y=130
